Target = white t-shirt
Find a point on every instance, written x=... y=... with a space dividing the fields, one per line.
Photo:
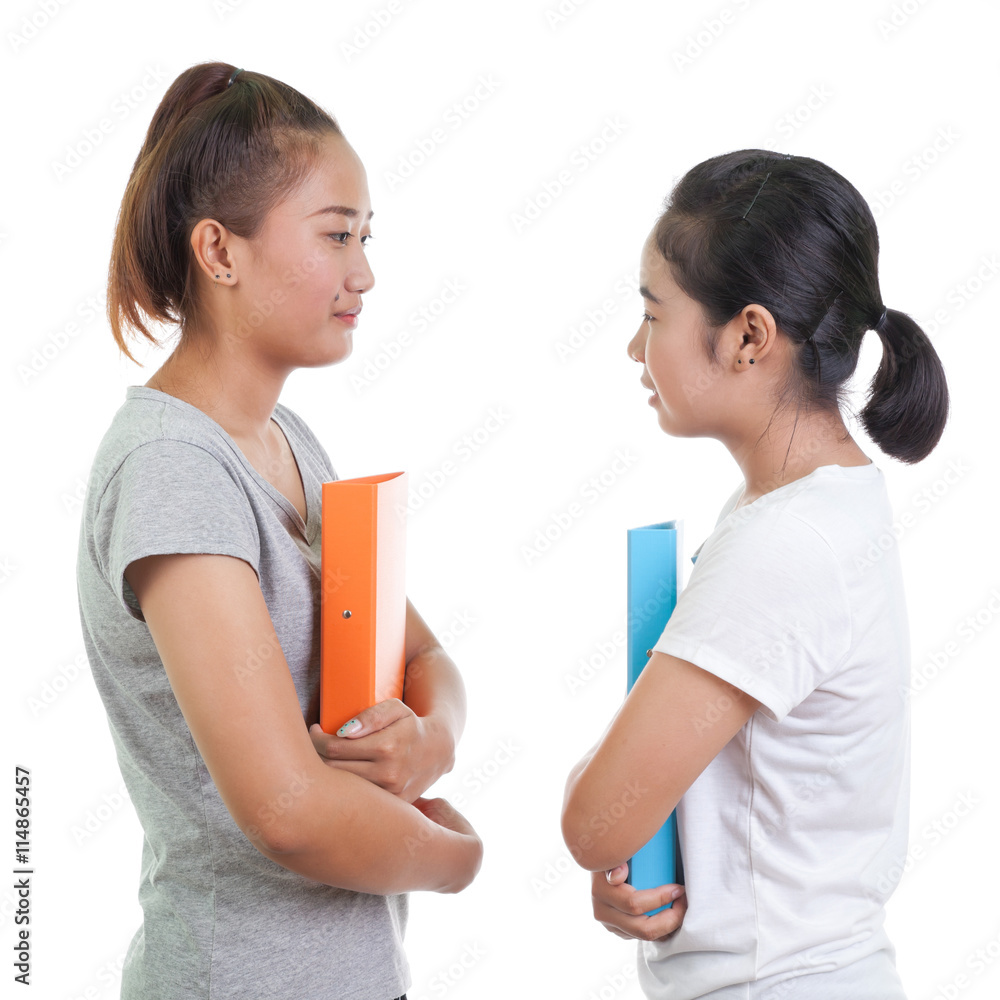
x=793 y=837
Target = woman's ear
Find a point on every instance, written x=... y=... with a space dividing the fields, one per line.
x=750 y=336
x=209 y=240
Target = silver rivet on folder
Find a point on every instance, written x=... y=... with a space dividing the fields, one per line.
x=347 y=614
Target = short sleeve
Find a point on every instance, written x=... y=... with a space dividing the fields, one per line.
x=170 y=497
x=766 y=609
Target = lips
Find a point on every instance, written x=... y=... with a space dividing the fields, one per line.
x=349 y=312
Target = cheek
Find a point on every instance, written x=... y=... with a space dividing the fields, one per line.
x=316 y=287
x=678 y=378
x=660 y=364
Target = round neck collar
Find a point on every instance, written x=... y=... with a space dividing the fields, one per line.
x=867 y=471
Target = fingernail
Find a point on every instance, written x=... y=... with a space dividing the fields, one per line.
x=677 y=893
x=349 y=727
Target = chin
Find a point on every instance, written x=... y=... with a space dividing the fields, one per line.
x=324 y=358
x=669 y=424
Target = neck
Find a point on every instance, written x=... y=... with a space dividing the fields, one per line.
x=787 y=449
x=227 y=382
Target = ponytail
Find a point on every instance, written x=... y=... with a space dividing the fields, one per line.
x=908 y=403
x=220 y=145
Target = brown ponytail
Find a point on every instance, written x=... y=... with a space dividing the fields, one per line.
x=216 y=150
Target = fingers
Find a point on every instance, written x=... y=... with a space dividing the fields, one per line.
x=394 y=756
x=432 y=808
x=333 y=748
x=617 y=875
x=609 y=887
x=442 y=812
x=638 y=925
x=371 y=720
x=394 y=738
x=623 y=910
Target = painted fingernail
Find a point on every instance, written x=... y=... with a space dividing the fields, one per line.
x=349 y=727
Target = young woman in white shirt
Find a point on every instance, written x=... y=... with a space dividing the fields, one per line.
x=772 y=714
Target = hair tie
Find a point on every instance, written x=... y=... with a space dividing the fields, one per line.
x=233 y=77
x=880 y=322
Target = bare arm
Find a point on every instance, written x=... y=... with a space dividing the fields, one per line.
x=622 y=792
x=434 y=688
x=207 y=616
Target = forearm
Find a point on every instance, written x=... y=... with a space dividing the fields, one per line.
x=343 y=830
x=584 y=829
x=590 y=829
x=434 y=690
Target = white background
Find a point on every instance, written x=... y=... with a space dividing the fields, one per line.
x=881 y=95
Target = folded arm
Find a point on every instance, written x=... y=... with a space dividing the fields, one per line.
x=208 y=618
x=675 y=720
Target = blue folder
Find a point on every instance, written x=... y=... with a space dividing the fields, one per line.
x=654 y=579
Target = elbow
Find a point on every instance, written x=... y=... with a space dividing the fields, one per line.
x=279 y=842
x=273 y=838
x=575 y=835
x=601 y=836
x=591 y=841
x=279 y=826
x=586 y=835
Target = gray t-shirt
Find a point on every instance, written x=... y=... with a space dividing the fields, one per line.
x=220 y=920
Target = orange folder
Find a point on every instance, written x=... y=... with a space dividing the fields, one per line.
x=363 y=597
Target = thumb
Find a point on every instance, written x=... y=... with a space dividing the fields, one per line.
x=617 y=875
x=371 y=720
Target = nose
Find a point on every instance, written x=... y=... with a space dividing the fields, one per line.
x=637 y=345
x=359 y=277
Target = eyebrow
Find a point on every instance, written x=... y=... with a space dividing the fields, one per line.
x=337 y=210
x=647 y=294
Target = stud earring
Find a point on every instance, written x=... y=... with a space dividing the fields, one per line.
x=751 y=361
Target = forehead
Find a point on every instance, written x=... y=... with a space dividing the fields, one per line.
x=654 y=271
x=336 y=178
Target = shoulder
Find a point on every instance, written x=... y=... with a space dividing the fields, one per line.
x=831 y=512
x=154 y=436
x=727 y=508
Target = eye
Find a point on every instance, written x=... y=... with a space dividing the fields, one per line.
x=646 y=318
x=342 y=238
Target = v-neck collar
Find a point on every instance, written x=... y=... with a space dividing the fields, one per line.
x=306 y=528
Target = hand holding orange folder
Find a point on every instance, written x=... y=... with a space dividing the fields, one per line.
x=363 y=598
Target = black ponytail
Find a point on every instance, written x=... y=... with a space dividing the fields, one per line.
x=908 y=406
x=792 y=234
